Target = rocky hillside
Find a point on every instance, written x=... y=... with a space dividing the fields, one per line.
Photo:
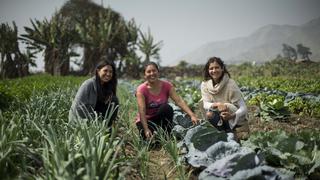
x=262 y=45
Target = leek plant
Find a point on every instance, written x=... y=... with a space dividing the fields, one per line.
x=169 y=143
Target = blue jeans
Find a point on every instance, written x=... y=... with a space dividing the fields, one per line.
x=216 y=120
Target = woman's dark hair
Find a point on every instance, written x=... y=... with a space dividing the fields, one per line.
x=206 y=75
x=148 y=64
x=112 y=84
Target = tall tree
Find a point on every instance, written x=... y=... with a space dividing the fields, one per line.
x=13 y=63
x=105 y=35
x=304 y=51
x=132 y=65
x=76 y=13
x=55 y=37
x=183 y=64
x=103 y=32
x=289 y=52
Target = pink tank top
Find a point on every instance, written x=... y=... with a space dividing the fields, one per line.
x=152 y=101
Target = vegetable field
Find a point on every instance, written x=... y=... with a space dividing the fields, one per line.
x=38 y=142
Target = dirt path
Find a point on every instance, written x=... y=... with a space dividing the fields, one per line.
x=161 y=166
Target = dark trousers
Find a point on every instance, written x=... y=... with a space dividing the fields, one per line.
x=162 y=119
x=110 y=108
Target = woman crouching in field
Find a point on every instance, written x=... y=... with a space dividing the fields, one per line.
x=97 y=95
x=153 y=108
x=223 y=100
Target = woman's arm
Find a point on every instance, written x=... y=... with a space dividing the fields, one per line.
x=142 y=114
x=207 y=104
x=82 y=104
x=180 y=102
x=241 y=112
x=237 y=99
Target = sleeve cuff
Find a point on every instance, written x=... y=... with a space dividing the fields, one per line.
x=233 y=122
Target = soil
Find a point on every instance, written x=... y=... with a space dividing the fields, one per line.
x=295 y=123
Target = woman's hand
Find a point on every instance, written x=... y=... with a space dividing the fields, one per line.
x=194 y=119
x=180 y=102
x=227 y=115
x=220 y=106
x=148 y=133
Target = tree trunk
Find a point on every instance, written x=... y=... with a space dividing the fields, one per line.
x=2 y=66
x=91 y=58
x=9 y=67
x=48 y=61
x=65 y=67
x=63 y=62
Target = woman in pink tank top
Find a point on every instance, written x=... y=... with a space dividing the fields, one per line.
x=153 y=108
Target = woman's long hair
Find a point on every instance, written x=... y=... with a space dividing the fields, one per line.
x=206 y=75
x=109 y=88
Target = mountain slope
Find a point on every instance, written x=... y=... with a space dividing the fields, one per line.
x=262 y=45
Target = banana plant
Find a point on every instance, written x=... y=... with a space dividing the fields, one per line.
x=13 y=63
x=55 y=38
x=106 y=34
x=148 y=47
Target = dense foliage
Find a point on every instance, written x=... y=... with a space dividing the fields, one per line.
x=21 y=89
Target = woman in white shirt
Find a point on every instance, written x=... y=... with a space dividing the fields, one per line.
x=222 y=98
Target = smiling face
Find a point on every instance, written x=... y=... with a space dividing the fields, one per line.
x=105 y=73
x=215 y=71
x=151 y=73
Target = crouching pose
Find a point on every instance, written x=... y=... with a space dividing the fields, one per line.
x=223 y=100
x=97 y=95
x=153 y=108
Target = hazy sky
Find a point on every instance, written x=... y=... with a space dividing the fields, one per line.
x=182 y=25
